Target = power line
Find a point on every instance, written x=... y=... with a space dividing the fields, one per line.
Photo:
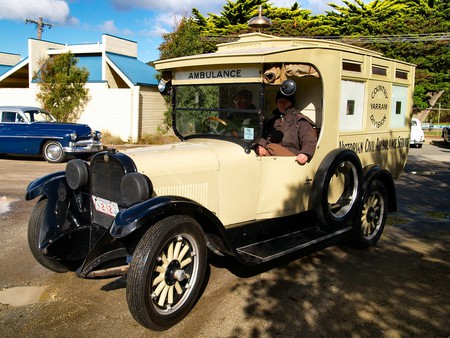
x=40 y=26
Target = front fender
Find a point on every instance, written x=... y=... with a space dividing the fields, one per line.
x=43 y=185
x=147 y=212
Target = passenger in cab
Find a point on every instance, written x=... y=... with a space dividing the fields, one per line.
x=242 y=99
x=288 y=133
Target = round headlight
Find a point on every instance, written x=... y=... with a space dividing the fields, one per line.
x=73 y=136
x=98 y=135
x=135 y=187
x=77 y=174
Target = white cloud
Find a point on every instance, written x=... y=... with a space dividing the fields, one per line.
x=108 y=27
x=51 y=10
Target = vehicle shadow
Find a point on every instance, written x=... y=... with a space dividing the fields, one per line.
x=341 y=290
x=440 y=144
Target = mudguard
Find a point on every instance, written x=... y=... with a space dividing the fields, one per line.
x=66 y=232
x=146 y=213
x=375 y=172
x=44 y=185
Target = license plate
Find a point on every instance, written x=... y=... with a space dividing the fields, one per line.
x=105 y=206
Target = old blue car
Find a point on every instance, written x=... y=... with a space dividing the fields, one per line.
x=34 y=131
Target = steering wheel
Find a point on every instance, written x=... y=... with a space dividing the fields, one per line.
x=207 y=123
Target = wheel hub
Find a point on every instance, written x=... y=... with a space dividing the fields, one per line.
x=370 y=215
x=172 y=272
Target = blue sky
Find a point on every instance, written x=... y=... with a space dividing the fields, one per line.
x=84 y=21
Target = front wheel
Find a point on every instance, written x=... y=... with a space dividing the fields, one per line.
x=167 y=272
x=53 y=152
x=373 y=216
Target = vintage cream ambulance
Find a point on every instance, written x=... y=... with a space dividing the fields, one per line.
x=153 y=213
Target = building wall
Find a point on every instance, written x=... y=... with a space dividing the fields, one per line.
x=109 y=110
x=152 y=108
x=18 y=96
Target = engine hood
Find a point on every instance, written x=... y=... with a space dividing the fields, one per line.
x=80 y=129
x=179 y=158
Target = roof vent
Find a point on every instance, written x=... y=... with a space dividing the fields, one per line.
x=259 y=21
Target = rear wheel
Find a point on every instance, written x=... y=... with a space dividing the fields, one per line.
x=53 y=152
x=34 y=229
x=372 y=219
x=167 y=272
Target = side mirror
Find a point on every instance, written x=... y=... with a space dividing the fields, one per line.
x=288 y=87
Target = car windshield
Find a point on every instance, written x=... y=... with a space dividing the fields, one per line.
x=39 y=116
x=228 y=111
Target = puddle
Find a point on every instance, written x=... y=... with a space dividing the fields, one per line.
x=4 y=203
x=23 y=295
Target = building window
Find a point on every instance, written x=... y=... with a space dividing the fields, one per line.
x=400 y=74
x=351 y=66
x=379 y=71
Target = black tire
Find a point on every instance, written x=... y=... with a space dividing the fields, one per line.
x=53 y=152
x=371 y=221
x=34 y=227
x=340 y=169
x=161 y=287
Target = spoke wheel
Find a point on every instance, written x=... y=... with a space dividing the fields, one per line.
x=373 y=215
x=167 y=272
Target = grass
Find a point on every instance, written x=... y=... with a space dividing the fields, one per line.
x=148 y=139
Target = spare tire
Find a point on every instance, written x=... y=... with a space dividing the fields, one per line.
x=336 y=188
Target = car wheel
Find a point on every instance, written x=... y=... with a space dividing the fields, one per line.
x=53 y=152
x=34 y=229
x=167 y=272
x=373 y=215
x=336 y=187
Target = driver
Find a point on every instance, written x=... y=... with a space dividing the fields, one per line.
x=242 y=99
x=288 y=133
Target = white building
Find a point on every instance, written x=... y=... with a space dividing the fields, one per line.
x=124 y=98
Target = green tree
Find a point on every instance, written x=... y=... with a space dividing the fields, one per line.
x=62 y=87
x=385 y=21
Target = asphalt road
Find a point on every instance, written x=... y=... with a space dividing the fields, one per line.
x=399 y=288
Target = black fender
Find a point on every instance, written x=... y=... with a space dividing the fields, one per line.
x=375 y=172
x=146 y=213
x=66 y=223
x=138 y=218
x=44 y=185
x=130 y=224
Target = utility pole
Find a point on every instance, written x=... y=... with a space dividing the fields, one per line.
x=40 y=26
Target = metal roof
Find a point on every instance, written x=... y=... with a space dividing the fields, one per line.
x=136 y=71
x=4 y=69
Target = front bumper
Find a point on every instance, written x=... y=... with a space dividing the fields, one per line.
x=414 y=142
x=84 y=146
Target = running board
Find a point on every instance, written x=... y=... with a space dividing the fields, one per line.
x=276 y=247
